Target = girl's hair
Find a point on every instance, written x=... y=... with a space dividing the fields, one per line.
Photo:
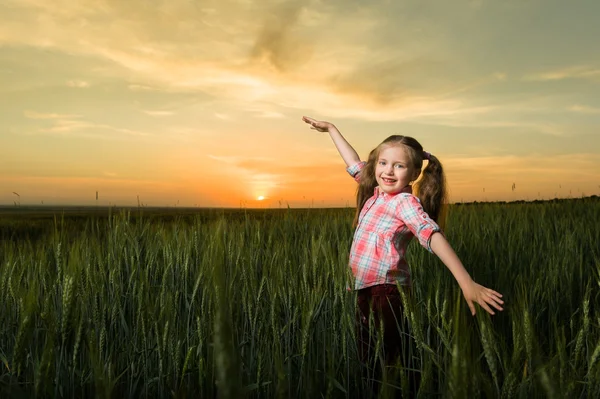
x=430 y=189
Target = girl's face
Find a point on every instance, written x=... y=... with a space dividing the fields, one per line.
x=394 y=171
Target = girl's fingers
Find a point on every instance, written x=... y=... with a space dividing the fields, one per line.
x=495 y=297
x=488 y=298
x=494 y=302
x=472 y=307
x=486 y=307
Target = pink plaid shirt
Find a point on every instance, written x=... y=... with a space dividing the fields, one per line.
x=386 y=225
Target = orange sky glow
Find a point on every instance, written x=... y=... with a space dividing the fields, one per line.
x=200 y=103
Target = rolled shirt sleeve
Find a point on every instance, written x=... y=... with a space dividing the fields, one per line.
x=411 y=212
x=355 y=170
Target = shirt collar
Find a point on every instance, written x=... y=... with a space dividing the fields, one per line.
x=378 y=191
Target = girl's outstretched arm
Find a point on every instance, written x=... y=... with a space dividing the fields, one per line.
x=348 y=153
x=472 y=291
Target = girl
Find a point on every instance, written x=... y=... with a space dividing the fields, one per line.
x=388 y=215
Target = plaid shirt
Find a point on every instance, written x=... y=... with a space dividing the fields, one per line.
x=386 y=225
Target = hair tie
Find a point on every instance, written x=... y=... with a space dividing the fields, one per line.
x=427 y=155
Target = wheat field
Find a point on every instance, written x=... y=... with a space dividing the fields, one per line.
x=255 y=304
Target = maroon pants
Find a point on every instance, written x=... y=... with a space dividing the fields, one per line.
x=385 y=304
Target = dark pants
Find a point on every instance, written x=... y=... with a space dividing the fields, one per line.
x=384 y=304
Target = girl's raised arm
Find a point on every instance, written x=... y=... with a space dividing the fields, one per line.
x=348 y=153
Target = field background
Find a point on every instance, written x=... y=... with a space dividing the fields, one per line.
x=233 y=303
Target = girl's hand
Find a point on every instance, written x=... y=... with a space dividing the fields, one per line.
x=320 y=126
x=474 y=292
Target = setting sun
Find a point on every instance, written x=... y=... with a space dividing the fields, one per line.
x=260 y=198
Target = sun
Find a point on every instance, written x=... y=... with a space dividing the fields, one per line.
x=260 y=197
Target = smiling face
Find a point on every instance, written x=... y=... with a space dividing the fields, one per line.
x=394 y=169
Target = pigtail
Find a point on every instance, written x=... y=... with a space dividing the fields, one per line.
x=367 y=184
x=431 y=190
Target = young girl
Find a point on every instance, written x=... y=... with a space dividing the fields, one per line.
x=388 y=215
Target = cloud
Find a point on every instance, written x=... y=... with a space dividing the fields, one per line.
x=67 y=124
x=74 y=181
x=386 y=81
x=81 y=84
x=263 y=111
x=584 y=109
x=278 y=56
x=547 y=167
x=271 y=169
x=222 y=116
x=157 y=113
x=141 y=88
x=62 y=126
x=232 y=160
x=270 y=115
x=248 y=54
x=41 y=115
x=276 y=44
x=573 y=72
x=532 y=174
x=466 y=121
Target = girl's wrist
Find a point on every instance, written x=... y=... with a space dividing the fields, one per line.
x=465 y=283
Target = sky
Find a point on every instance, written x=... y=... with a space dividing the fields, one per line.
x=199 y=102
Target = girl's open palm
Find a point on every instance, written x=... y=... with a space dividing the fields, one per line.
x=320 y=126
x=485 y=297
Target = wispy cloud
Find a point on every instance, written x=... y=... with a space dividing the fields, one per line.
x=222 y=116
x=65 y=124
x=276 y=44
x=270 y=115
x=64 y=127
x=584 y=109
x=81 y=84
x=157 y=113
x=532 y=174
x=573 y=72
x=462 y=121
x=282 y=174
x=546 y=166
x=42 y=115
x=387 y=81
x=276 y=63
x=232 y=160
x=141 y=88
